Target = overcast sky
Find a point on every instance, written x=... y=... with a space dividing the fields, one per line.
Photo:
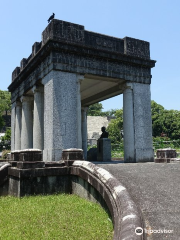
x=155 y=21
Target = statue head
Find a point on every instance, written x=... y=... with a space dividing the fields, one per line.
x=103 y=129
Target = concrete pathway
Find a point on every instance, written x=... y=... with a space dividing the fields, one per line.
x=155 y=188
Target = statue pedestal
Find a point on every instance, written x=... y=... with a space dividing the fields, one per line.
x=104 y=150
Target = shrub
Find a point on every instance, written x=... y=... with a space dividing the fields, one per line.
x=4 y=154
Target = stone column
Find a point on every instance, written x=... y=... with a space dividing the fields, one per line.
x=137 y=123
x=13 y=119
x=84 y=130
x=80 y=78
x=128 y=125
x=38 y=126
x=18 y=125
x=27 y=122
x=62 y=114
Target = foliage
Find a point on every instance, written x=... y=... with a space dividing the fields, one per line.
x=157 y=118
x=117 y=150
x=4 y=154
x=53 y=217
x=7 y=136
x=165 y=142
x=165 y=121
x=91 y=146
x=5 y=101
x=95 y=109
x=115 y=126
x=5 y=105
x=1 y=121
x=110 y=113
x=6 y=139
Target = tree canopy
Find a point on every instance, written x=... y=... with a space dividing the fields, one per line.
x=5 y=105
x=95 y=109
x=164 y=122
x=115 y=126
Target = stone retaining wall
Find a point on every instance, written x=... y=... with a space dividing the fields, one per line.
x=84 y=179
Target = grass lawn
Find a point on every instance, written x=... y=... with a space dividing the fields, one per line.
x=53 y=217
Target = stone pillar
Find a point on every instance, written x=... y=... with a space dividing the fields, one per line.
x=128 y=125
x=137 y=123
x=84 y=130
x=62 y=113
x=27 y=122
x=38 y=126
x=79 y=80
x=13 y=120
x=18 y=125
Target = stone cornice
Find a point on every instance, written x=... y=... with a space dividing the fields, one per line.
x=73 y=40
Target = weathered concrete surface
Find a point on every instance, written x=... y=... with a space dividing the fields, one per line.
x=155 y=188
x=4 y=183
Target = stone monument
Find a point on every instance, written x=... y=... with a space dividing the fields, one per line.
x=70 y=69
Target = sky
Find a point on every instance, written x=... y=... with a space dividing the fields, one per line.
x=155 y=21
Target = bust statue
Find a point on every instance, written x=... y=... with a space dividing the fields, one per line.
x=104 y=133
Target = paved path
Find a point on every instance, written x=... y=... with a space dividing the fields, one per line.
x=155 y=188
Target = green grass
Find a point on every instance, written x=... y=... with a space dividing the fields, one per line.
x=53 y=217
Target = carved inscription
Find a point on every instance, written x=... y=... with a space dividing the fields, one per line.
x=60 y=30
x=104 y=43
x=68 y=31
x=138 y=48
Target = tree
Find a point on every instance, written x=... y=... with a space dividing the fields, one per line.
x=7 y=136
x=115 y=126
x=171 y=124
x=157 y=112
x=5 y=101
x=165 y=121
x=110 y=113
x=95 y=109
x=5 y=105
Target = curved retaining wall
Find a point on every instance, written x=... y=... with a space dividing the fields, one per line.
x=84 y=179
x=4 y=183
x=125 y=214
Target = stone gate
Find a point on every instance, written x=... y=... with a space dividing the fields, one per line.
x=69 y=70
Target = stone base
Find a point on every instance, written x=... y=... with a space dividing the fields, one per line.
x=30 y=155
x=72 y=154
x=27 y=155
x=144 y=155
x=166 y=153
x=15 y=155
x=104 y=150
x=167 y=160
